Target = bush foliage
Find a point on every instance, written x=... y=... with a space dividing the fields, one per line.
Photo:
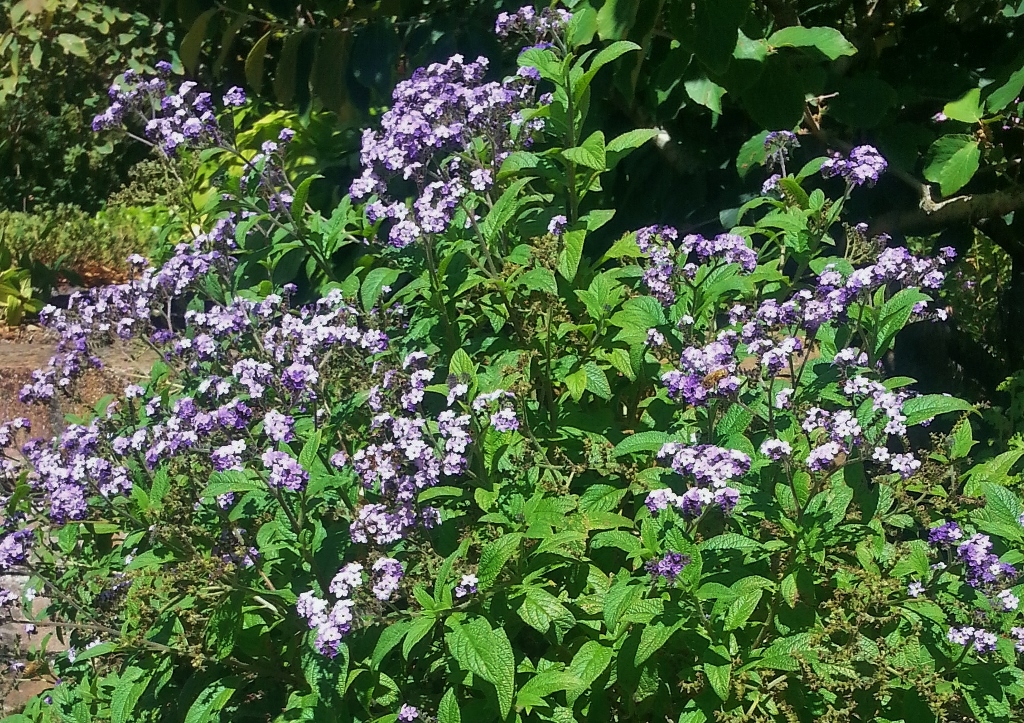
x=456 y=449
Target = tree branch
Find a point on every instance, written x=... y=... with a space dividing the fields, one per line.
x=931 y=215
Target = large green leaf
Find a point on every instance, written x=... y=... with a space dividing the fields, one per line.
x=488 y=654
x=952 y=162
x=494 y=556
x=829 y=41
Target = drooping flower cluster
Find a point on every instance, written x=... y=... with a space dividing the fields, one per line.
x=864 y=165
x=332 y=622
x=426 y=135
x=711 y=467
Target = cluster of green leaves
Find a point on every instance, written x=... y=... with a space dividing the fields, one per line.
x=81 y=241
x=58 y=59
x=793 y=608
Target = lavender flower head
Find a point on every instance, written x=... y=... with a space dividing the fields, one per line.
x=668 y=566
x=437 y=114
x=864 y=165
x=777 y=146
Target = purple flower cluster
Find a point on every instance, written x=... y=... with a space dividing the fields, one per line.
x=705 y=372
x=427 y=136
x=467 y=586
x=332 y=622
x=668 y=566
x=126 y=311
x=532 y=25
x=777 y=146
x=172 y=117
x=864 y=165
x=982 y=567
x=712 y=469
x=983 y=641
x=403 y=456
x=503 y=417
x=669 y=265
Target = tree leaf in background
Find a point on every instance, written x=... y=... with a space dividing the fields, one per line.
x=952 y=162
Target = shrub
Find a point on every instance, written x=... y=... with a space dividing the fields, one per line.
x=488 y=475
x=81 y=240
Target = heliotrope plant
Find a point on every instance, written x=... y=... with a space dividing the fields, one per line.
x=491 y=474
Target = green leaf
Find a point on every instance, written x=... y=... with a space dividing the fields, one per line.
x=597 y=381
x=254 y=62
x=374 y=283
x=631 y=140
x=419 y=629
x=718 y=676
x=539 y=280
x=829 y=41
x=590 y=661
x=301 y=194
x=591 y=154
x=488 y=654
x=494 y=557
x=461 y=365
x=893 y=316
x=390 y=637
x=224 y=626
x=967 y=108
x=74 y=45
x=1006 y=93
x=192 y=43
x=230 y=481
x=752 y=153
x=572 y=252
x=576 y=383
x=929 y=406
x=540 y=608
x=448 y=709
x=741 y=609
x=706 y=92
x=995 y=470
x=652 y=639
x=505 y=209
x=651 y=441
x=952 y=161
x=729 y=541
x=125 y=697
x=206 y=708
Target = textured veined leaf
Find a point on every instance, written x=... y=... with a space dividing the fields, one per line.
x=494 y=557
x=718 y=676
x=448 y=710
x=488 y=654
x=652 y=639
x=207 y=707
x=928 y=406
x=651 y=441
